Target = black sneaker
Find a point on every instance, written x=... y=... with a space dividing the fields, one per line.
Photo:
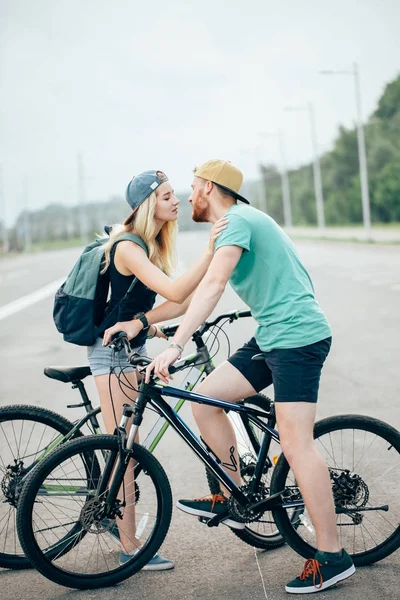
x=320 y=573
x=209 y=506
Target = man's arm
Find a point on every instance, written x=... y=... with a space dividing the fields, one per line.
x=203 y=303
x=208 y=292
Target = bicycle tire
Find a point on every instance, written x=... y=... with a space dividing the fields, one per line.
x=12 y=414
x=268 y=538
x=385 y=439
x=76 y=448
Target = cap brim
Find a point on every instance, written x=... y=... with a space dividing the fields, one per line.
x=129 y=219
x=238 y=196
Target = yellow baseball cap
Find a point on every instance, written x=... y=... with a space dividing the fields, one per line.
x=224 y=174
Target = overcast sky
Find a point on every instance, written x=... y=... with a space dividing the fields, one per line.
x=167 y=85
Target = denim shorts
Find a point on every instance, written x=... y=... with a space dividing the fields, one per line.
x=295 y=372
x=103 y=358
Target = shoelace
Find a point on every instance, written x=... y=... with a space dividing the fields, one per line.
x=312 y=567
x=214 y=498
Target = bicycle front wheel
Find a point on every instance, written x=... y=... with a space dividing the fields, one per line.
x=92 y=556
x=27 y=434
x=363 y=457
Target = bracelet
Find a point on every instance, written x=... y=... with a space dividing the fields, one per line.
x=177 y=347
x=150 y=337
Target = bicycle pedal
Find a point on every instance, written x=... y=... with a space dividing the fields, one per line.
x=209 y=522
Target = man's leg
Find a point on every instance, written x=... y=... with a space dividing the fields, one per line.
x=295 y=425
x=330 y=564
x=296 y=373
x=225 y=383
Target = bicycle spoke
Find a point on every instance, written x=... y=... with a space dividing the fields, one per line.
x=366 y=487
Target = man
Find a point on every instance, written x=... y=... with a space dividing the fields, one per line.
x=262 y=265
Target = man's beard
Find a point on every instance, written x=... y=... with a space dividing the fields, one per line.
x=201 y=214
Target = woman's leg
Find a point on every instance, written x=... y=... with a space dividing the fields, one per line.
x=127 y=525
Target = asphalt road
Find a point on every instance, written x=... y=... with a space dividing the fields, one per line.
x=359 y=289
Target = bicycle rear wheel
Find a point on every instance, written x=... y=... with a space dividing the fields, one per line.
x=262 y=533
x=27 y=433
x=92 y=557
x=363 y=457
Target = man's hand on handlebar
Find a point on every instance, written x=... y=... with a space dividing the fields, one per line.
x=161 y=363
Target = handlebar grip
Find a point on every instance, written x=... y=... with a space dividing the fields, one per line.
x=244 y=313
x=118 y=335
x=169 y=330
x=119 y=341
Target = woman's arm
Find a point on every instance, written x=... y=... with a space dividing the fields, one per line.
x=165 y=311
x=136 y=261
x=168 y=310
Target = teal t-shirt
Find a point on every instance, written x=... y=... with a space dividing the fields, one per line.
x=272 y=281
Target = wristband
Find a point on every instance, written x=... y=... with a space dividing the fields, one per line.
x=143 y=319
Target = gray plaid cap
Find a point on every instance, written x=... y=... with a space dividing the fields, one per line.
x=142 y=186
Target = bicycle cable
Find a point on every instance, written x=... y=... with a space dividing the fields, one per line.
x=215 y=330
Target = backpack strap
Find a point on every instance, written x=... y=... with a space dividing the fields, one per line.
x=132 y=237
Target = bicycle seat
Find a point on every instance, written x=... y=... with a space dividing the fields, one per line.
x=258 y=357
x=67 y=374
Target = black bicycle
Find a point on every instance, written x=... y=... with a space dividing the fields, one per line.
x=71 y=538
x=29 y=433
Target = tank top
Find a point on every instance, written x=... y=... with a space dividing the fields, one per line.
x=140 y=299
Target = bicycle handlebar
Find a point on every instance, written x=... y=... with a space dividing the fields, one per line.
x=232 y=315
x=120 y=340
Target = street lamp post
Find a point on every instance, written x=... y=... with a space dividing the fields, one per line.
x=287 y=205
x=362 y=153
x=319 y=196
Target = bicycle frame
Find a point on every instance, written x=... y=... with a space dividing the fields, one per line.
x=200 y=360
x=153 y=394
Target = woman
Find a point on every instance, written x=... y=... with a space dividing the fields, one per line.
x=153 y=218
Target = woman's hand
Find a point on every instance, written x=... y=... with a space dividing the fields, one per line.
x=131 y=328
x=216 y=229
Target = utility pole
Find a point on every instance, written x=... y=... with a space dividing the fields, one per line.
x=362 y=152
x=26 y=219
x=287 y=204
x=262 y=191
x=4 y=232
x=285 y=185
x=82 y=200
x=319 y=196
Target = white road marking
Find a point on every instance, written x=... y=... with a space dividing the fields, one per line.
x=261 y=575
x=26 y=301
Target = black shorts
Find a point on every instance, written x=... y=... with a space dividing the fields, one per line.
x=295 y=372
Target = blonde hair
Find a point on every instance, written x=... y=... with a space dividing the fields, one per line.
x=142 y=222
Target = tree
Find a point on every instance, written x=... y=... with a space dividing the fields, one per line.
x=389 y=103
